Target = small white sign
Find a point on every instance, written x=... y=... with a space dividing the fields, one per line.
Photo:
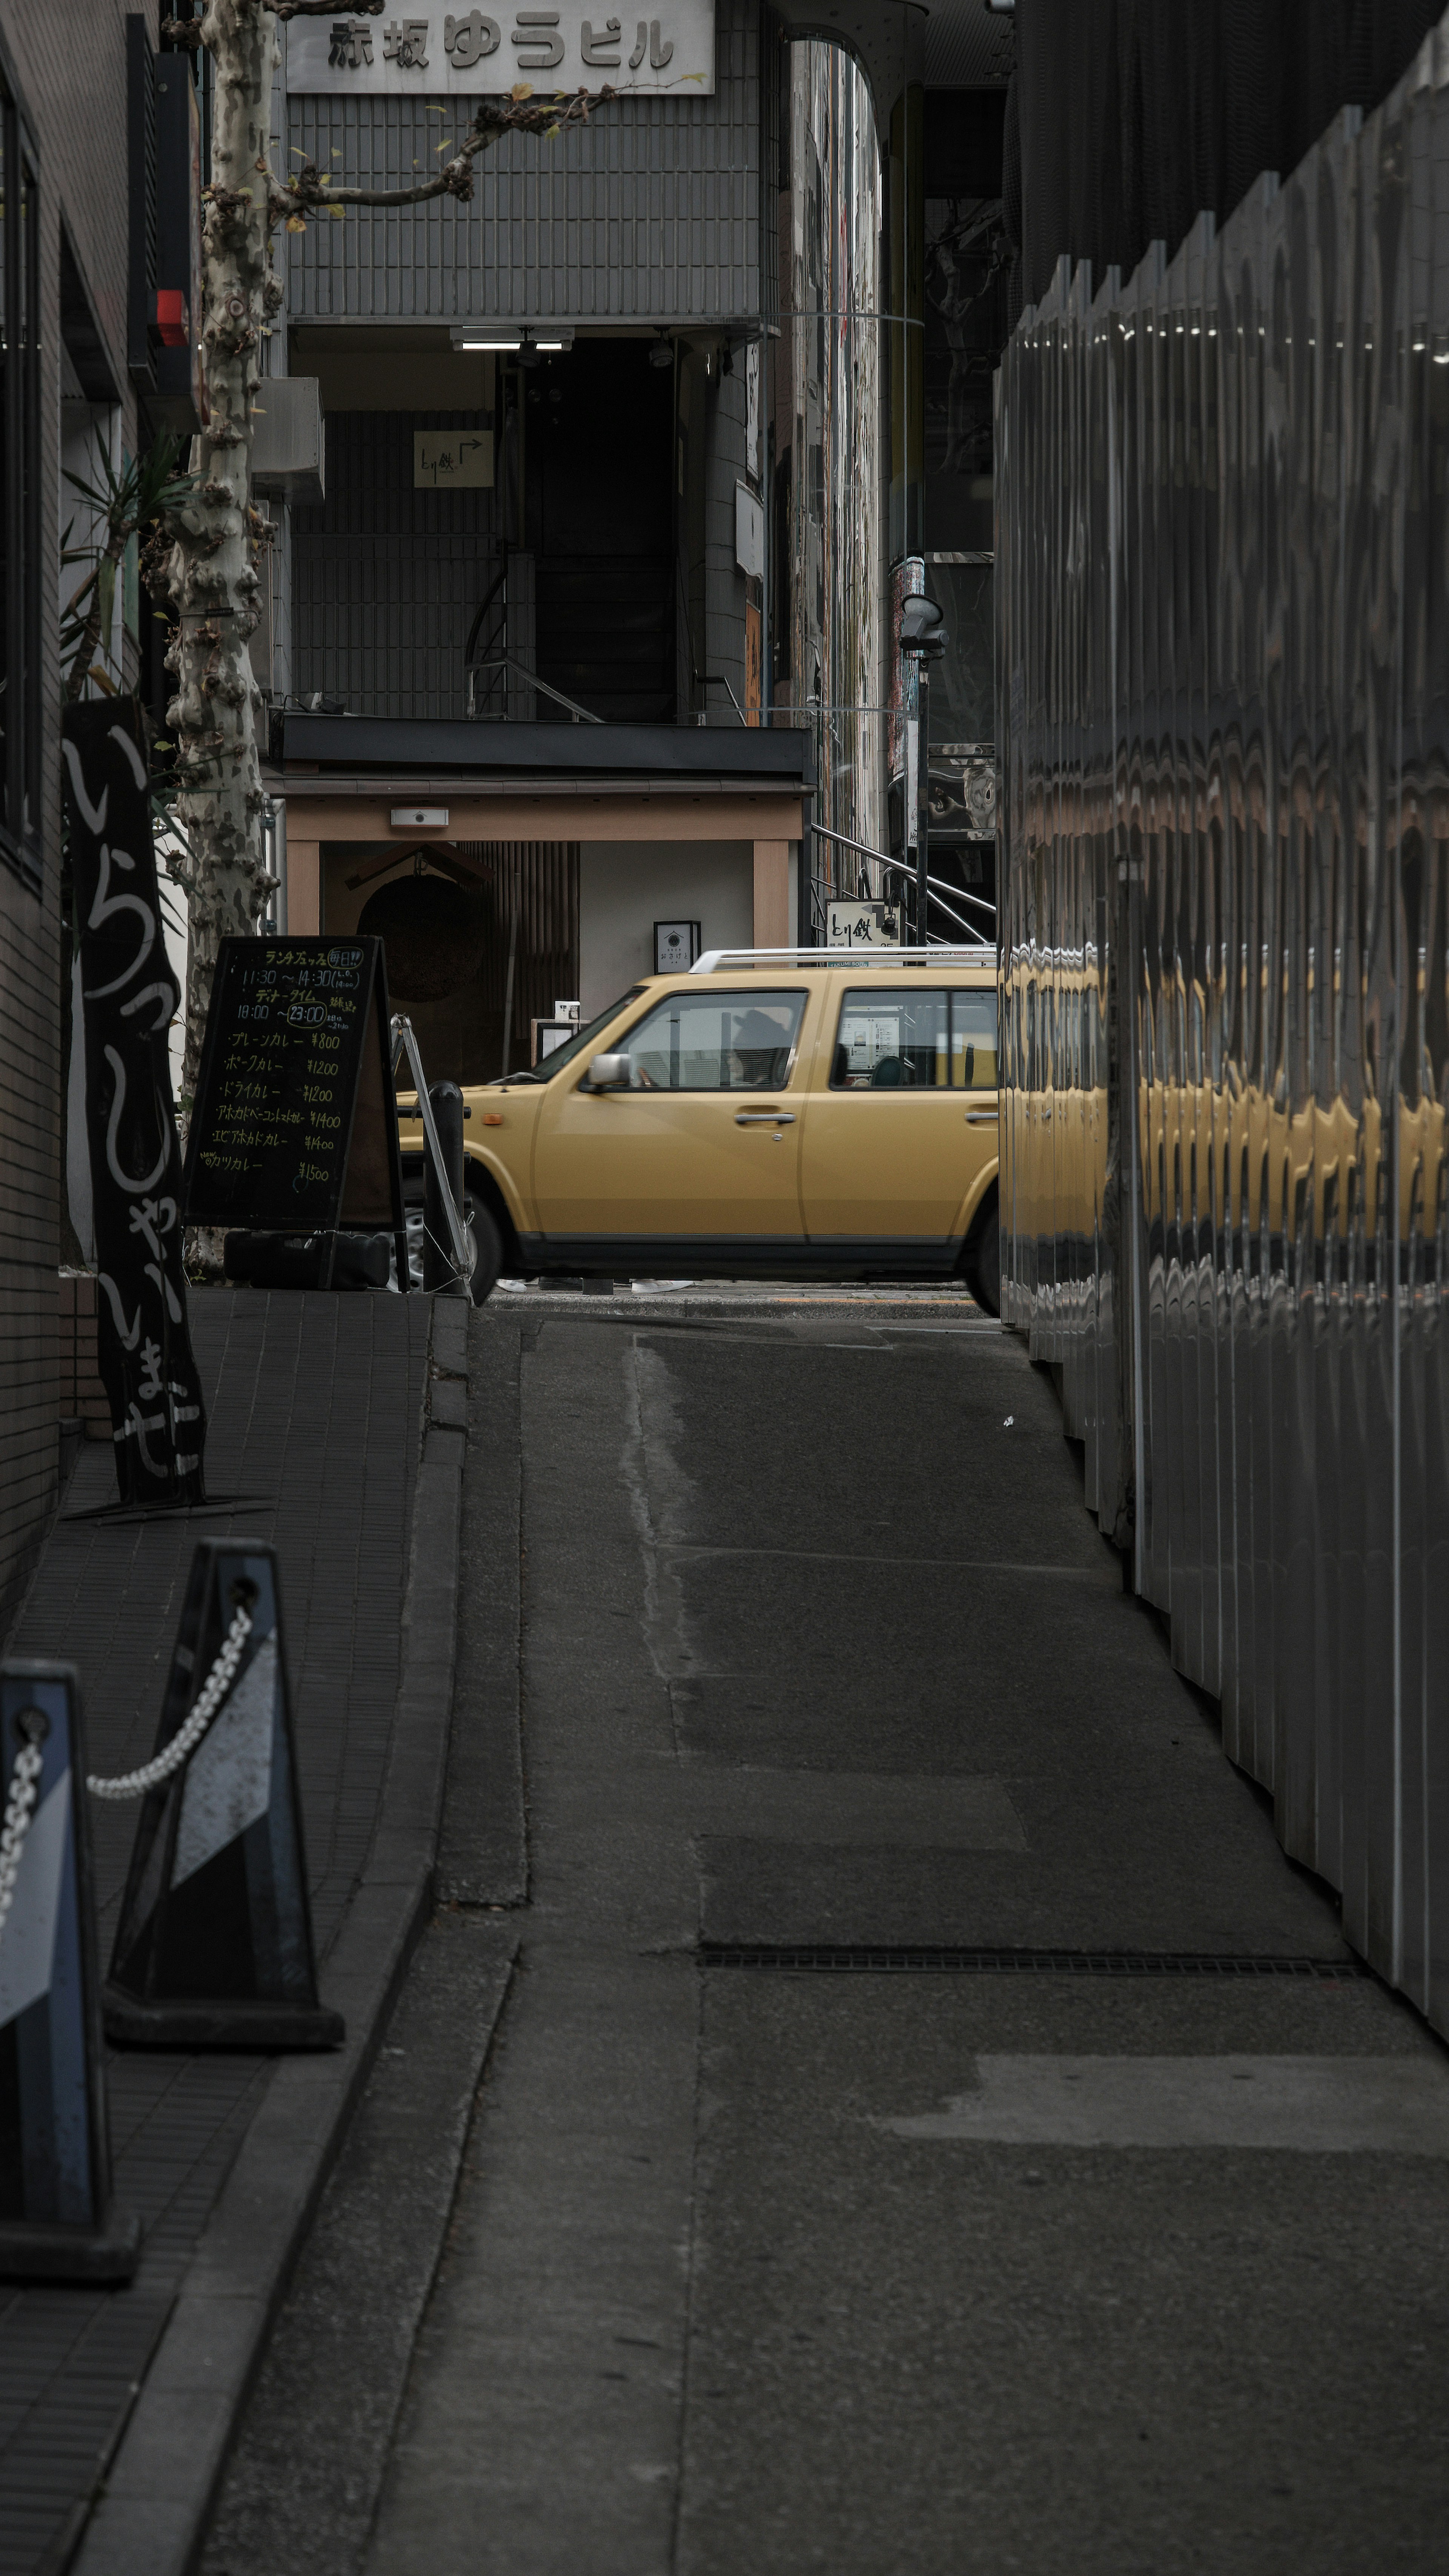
x=452 y=460
x=862 y=925
x=752 y=408
x=566 y=1011
x=676 y=946
x=749 y=532
x=472 y=55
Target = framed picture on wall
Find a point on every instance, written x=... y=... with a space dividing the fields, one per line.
x=548 y=1034
x=676 y=946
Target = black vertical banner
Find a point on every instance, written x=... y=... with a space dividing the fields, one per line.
x=129 y=997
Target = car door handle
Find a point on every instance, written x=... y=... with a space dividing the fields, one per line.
x=764 y=1117
x=981 y=1117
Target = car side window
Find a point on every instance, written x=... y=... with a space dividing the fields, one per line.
x=973 y=1037
x=892 y=1041
x=716 y=1042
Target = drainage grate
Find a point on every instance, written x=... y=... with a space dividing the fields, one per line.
x=835 y=1959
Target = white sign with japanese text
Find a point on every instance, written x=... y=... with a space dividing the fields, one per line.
x=862 y=925
x=472 y=55
x=452 y=460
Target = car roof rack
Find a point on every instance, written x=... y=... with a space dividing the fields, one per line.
x=967 y=952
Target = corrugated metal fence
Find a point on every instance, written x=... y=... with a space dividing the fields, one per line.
x=1223 y=681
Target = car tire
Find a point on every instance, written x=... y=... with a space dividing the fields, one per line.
x=983 y=1264
x=481 y=1224
x=487 y=1247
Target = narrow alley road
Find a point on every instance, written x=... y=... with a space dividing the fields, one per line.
x=1126 y=2258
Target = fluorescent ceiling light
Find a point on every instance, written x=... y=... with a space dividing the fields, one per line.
x=512 y=336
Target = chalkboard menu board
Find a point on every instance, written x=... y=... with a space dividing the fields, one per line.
x=294 y=1126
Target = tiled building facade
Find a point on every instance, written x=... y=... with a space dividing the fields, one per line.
x=649 y=233
x=65 y=176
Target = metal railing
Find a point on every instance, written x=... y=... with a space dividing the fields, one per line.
x=937 y=892
x=506 y=662
x=404 y=1042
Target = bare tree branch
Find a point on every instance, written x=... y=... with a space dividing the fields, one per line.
x=310 y=191
x=187 y=31
x=203 y=559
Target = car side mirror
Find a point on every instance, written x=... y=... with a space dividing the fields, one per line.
x=610 y=1073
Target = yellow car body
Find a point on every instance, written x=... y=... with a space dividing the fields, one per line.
x=814 y=1118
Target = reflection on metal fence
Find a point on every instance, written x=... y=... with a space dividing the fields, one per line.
x=1223 y=676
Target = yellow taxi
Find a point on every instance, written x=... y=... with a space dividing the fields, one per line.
x=800 y=1114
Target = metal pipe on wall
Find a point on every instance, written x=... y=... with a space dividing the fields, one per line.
x=275 y=846
x=828 y=414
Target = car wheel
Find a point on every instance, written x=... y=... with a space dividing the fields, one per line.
x=983 y=1265
x=481 y=1224
x=487 y=1247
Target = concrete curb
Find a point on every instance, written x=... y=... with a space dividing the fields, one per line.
x=778 y=1305
x=150 y=2519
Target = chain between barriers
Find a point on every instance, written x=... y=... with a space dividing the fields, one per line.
x=25 y=1778
x=134 y=1784
x=19 y=1808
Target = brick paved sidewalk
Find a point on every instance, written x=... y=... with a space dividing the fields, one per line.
x=317 y=1407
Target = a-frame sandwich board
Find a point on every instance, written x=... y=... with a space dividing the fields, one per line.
x=294 y=1125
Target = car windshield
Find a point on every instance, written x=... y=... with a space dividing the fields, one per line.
x=573 y=1048
x=706 y=1040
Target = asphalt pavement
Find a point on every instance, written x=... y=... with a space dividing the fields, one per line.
x=930 y=2126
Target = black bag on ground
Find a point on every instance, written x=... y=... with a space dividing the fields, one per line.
x=300 y=1260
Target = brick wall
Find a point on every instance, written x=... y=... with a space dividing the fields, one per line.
x=81 y=1397
x=67 y=69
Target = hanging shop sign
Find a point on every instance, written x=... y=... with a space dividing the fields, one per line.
x=471 y=55
x=128 y=997
x=849 y=924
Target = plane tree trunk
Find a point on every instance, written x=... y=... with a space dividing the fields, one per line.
x=211 y=581
x=203 y=562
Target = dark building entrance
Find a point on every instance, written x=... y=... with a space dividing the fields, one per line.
x=598 y=434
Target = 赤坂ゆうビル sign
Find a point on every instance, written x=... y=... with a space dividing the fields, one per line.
x=471 y=54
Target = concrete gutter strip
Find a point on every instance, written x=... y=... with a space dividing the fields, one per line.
x=304 y=2477
x=150 y=2519
x=483 y=1841
x=953 y=1304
